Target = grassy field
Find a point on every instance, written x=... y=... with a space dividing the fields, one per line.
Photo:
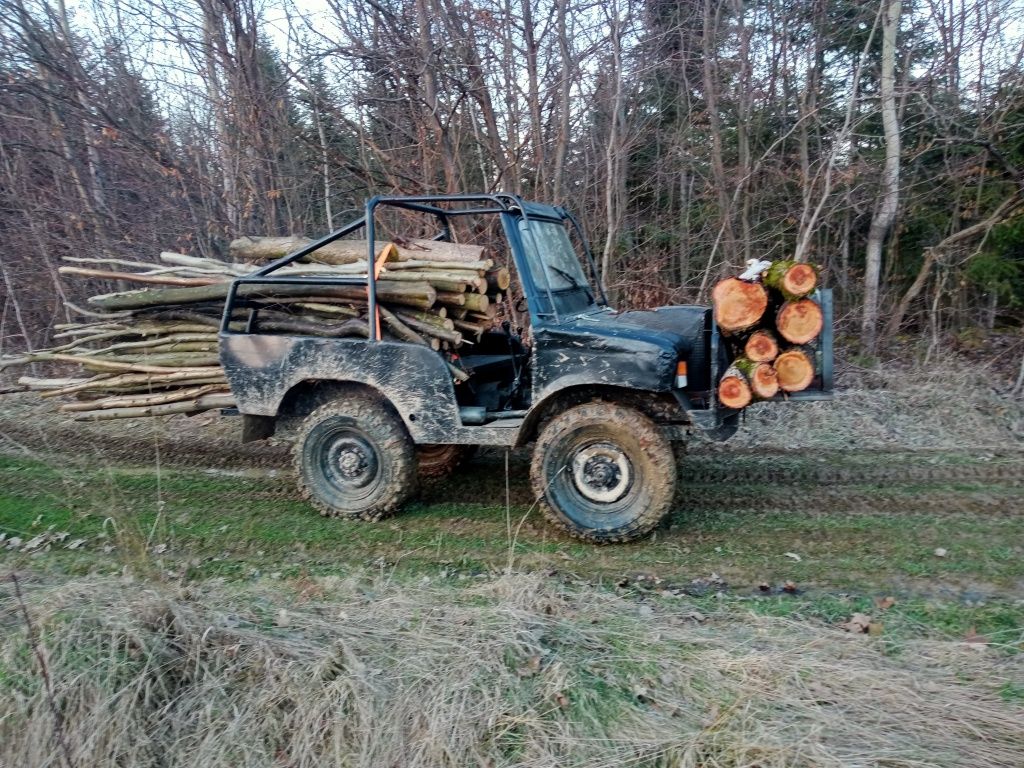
x=838 y=546
x=191 y=610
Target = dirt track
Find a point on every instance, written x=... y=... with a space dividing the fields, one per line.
x=212 y=442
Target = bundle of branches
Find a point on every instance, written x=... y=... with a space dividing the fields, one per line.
x=769 y=325
x=153 y=351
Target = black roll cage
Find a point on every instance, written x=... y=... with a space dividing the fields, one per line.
x=498 y=203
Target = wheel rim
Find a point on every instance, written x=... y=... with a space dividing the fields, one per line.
x=348 y=461
x=601 y=472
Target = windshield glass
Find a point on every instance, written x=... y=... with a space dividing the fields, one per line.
x=551 y=254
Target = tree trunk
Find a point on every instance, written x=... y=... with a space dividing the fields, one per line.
x=885 y=214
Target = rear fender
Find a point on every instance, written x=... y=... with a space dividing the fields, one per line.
x=263 y=369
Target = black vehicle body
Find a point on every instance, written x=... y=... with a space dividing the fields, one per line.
x=581 y=348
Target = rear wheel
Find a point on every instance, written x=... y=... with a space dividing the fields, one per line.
x=355 y=459
x=438 y=461
x=604 y=473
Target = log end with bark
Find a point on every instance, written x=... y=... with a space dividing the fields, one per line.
x=734 y=389
x=793 y=279
x=761 y=378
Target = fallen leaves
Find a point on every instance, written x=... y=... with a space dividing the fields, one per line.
x=794 y=556
x=862 y=624
x=42 y=542
x=530 y=668
x=973 y=637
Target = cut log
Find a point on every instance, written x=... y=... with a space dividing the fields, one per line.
x=477 y=302
x=734 y=389
x=799 y=322
x=480 y=267
x=431 y=329
x=198 y=405
x=400 y=329
x=793 y=279
x=137 y=278
x=135 y=401
x=498 y=279
x=339 y=252
x=761 y=347
x=473 y=330
x=433 y=317
x=355 y=327
x=795 y=370
x=739 y=305
x=437 y=250
x=763 y=381
x=351 y=251
x=418 y=295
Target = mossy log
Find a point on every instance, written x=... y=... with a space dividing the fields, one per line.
x=739 y=305
x=800 y=321
x=793 y=279
x=761 y=377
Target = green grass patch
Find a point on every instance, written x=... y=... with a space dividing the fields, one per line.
x=196 y=525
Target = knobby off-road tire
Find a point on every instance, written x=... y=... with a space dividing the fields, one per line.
x=439 y=461
x=604 y=473
x=354 y=459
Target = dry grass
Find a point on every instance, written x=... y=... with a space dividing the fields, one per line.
x=950 y=405
x=515 y=671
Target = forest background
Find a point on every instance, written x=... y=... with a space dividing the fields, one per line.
x=883 y=140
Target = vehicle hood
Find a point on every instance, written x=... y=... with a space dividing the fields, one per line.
x=679 y=330
x=637 y=350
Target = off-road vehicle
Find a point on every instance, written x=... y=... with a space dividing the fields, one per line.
x=601 y=395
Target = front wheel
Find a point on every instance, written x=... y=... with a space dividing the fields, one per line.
x=604 y=473
x=355 y=459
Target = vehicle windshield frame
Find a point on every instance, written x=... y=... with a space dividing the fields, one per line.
x=548 y=248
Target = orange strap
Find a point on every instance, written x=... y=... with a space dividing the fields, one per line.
x=378 y=265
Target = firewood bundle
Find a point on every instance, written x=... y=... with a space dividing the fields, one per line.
x=769 y=325
x=153 y=350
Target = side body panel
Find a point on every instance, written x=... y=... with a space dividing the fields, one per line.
x=261 y=368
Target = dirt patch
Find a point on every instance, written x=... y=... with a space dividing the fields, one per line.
x=29 y=424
